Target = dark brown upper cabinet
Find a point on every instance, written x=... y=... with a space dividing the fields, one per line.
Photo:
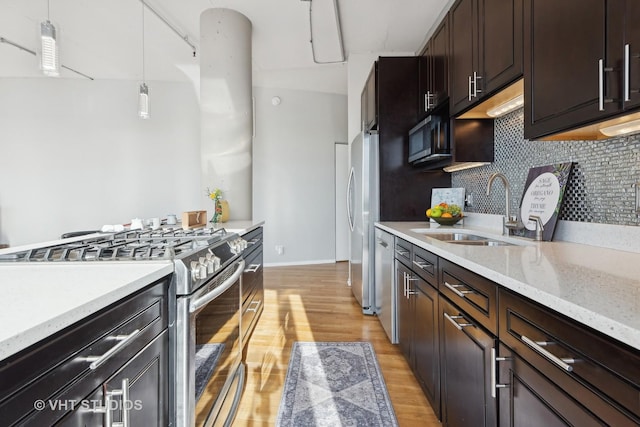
x=582 y=65
x=369 y=100
x=434 y=71
x=486 y=49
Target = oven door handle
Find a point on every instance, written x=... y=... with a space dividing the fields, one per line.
x=205 y=299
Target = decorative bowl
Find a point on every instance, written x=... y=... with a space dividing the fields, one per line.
x=447 y=221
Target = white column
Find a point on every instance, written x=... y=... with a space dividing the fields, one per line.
x=226 y=108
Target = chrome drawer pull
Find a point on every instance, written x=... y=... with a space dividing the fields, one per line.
x=458 y=326
x=402 y=253
x=253 y=241
x=461 y=294
x=96 y=361
x=564 y=363
x=252 y=268
x=422 y=265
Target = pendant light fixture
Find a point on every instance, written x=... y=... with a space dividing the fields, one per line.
x=49 y=60
x=143 y=91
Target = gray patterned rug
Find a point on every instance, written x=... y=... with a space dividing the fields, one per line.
x=334 y=384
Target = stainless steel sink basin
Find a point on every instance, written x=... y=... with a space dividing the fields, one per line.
x=456 y=237
x=481 y=242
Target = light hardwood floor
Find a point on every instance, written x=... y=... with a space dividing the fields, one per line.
x=313 y=303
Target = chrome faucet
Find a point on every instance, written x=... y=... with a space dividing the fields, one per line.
x=508 y=222
x=539 y=226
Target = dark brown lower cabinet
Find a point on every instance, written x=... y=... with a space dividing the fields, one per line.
x=418 y=334
x=528 y=398
x=466 y=359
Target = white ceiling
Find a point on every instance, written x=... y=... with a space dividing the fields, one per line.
x=103 y=39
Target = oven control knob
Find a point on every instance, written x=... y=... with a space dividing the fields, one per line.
x=203 y=271
x=216 y=263
x=195 y=270
x=211 y=265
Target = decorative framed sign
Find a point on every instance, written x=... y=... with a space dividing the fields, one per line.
x=543 y=195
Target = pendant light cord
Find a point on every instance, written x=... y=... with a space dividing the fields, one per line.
x=143 y=80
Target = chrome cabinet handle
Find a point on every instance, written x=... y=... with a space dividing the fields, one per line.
x=404 y=280
x=461 y=294
x=458 y=326
x=124 y=405
x=422 y=265
x=383 y=243
x=627 y=65
x=409 y=290
x=475 y=84
x=564 y=363
x=601 y=70
x=470 y=96
x=96 y=361
x=253 y=241
x=252 y=268
x=494 y=379
x=254 y=309
x=402 y=253
x=427 y=100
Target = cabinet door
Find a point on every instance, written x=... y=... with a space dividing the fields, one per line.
x=425 y=74
x=370 y=100
x=404 y=312
x=564 y=42
x=632 y=38
x=532 y=399
x=500 y=46
x=426 y=341
x=463 y=21
x=439 y=58
x=466 y=369
x=147 y=376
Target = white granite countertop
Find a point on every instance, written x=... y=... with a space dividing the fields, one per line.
x=39 y=300
x=598 y=287
x=241 y=227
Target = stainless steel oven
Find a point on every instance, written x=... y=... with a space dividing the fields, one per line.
x=209 y=370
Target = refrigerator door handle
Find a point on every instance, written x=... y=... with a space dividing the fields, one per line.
x=349 y=192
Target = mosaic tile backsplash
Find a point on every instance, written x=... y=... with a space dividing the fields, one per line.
x=600 y=188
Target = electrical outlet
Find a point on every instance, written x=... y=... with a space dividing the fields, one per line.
x=637 y=185
x=279 y=249
x=468 y=201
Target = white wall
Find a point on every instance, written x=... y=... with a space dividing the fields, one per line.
x=293 y=175
x=74 y=155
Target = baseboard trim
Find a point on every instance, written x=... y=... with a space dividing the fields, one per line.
x=285 y=264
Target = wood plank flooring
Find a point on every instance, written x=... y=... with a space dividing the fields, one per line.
x=313 y=303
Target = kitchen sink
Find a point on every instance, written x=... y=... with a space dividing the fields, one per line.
x=456 y=237
x=461 y=238
x=481 y=242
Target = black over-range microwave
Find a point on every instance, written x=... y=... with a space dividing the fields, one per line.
x=429 y=140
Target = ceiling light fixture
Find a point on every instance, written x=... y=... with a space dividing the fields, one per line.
x=456 y=167
x=622 y=128
x=143 y=92
x=328 y=47
x=34 y=53
x=49 y=59
x=507 y=107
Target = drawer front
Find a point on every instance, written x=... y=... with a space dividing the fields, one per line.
x=570 y=352
x=254 y=240
x=60 y=367
x=403 y=251
x=252 y=273
x=251 y=310
x=474 y=294
x=425 y=264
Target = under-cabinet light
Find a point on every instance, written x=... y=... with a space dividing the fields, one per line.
x=507 y=107
x=49 y=59
x=622 y=128
x=464 y=165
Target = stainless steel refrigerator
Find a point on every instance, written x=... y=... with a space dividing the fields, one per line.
x=363 y=212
